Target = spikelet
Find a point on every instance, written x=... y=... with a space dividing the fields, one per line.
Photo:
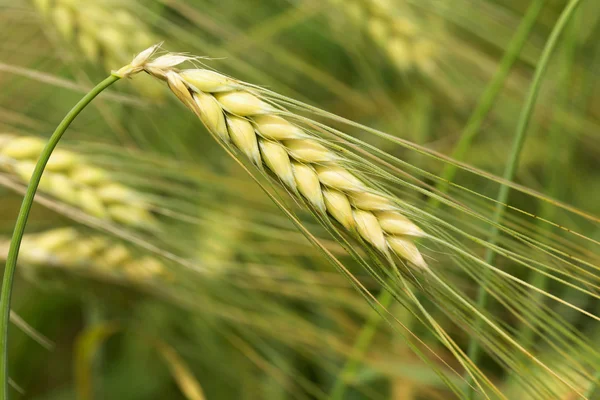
x=306 y=166
x=390 y=26
x=105 y=33
x=69 y=249
x=69 y=178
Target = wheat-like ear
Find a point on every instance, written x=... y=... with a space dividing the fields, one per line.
x=71 y=179
x=306 y=166
x=396 y=34
x=68 y=248
x=104 y=33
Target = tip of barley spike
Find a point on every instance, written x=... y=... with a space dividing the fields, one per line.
x=138 y=62
x=143 y=57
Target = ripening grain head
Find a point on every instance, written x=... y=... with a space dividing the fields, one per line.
x=309 y=167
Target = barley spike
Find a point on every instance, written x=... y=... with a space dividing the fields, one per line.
x=307 y=166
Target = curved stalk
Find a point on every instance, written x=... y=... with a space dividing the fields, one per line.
x=15 y=244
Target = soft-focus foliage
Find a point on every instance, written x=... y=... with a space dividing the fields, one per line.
x=163 y=263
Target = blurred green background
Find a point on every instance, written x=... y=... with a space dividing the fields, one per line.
x=202 y=288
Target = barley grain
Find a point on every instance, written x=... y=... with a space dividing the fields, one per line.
x=69 y=178
x=307 y=166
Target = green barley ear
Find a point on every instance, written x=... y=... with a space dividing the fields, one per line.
x=70 y=178
x=104 y=33
x=311 y=169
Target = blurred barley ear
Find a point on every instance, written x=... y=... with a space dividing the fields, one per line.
x=70 y=178
x=104 y=32
x=394 y=31
x=70 y=249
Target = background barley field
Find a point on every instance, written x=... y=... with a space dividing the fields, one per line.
x=371 y=199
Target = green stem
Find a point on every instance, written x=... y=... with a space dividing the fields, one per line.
x=15 y=244
x=489 y=96
x=556 y=174
x=474 y=350
x=360 y=347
